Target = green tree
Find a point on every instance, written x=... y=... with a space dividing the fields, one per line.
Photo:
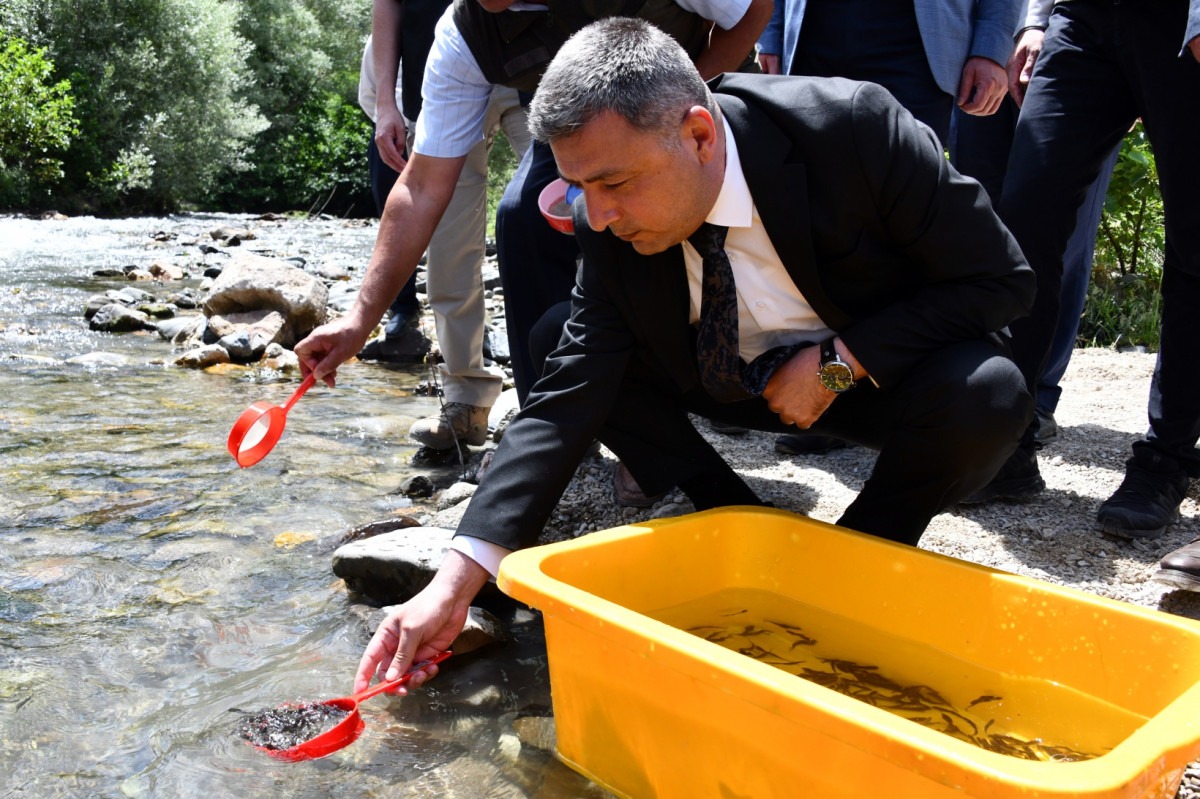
x=157 y=87
x=36 y=124
x=305 y=61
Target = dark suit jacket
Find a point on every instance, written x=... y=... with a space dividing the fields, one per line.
x=892 y=248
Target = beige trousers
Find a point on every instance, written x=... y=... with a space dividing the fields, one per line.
x=454 y=281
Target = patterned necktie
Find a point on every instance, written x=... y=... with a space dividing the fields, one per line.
x=717 y=335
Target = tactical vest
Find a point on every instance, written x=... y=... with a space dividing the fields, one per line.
x=513 y=48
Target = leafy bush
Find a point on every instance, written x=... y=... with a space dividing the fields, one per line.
x=156 y=85
x=1124 y=306
x=304 y=61
x=502 y=163
x=37 y=122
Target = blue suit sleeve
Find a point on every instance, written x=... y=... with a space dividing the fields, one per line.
x=1193 y=25
x=771 y=40
x=992 y=31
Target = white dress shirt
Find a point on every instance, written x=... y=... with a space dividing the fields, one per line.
x=771 y=310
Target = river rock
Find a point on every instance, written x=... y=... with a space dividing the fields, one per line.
x=167 y=271
x=158 y=310
x=256 y=283
x=536 y=731
x=131 y=295
x=188 y=298
x=417 y=486
x=183 y=329
x=139 y=274
x=332 y=272
x=245 y=346
x=108 y=272
x=116 y=318
x=98 y=301
x=231 y=235
x=459 y=492
x=203 y=357
x=391 y=568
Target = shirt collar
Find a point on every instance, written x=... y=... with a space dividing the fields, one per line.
x=734 y=206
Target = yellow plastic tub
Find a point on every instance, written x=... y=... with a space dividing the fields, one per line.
x=673 y=643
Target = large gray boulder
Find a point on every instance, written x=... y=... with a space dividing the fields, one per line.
x=255 y=283
x=391 y=568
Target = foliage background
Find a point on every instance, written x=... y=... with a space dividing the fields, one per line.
x=231 y=104
x=151 y=106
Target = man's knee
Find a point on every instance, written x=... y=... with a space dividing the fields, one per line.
x=977 y=395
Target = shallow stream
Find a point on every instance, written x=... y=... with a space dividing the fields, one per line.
x=150 y=589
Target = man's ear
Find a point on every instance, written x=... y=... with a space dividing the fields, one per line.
x=699 y=133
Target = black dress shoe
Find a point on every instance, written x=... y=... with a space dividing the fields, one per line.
x=1148 y=499
x=1017 y=479
x=807 y=444
x=1047 y=429
x=628 y=493
x=1181 y=568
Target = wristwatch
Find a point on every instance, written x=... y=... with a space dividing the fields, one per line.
x=836 y=375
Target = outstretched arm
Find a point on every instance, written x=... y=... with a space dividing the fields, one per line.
x=413 y=210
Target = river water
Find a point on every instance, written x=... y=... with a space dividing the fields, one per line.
x=150 y=590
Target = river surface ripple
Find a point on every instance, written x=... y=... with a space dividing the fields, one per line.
x=148 y=591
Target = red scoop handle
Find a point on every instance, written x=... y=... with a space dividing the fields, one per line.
x=379 y=688
x=304 y=386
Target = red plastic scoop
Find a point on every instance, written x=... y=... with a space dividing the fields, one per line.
x=259 y=427
x=348 y=729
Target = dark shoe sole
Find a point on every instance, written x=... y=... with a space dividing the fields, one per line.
x=1177 y=579
x=1014 y=491
x=814 y=444
x=1120 y=529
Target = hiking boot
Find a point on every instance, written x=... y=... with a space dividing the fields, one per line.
x=1148 y=499
x=1181 y=568
x=1017 y=479
x=458 y=421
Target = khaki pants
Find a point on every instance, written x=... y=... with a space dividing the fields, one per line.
x=454 y=281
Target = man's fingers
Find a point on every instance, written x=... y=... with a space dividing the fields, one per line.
x=376 y=654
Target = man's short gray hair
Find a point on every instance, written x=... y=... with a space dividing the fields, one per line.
x=623 y=65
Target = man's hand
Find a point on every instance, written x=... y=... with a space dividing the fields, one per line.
x=981 y=88
x=769 y=63
x=795 y=391
x=330 y=345
x=390 y=134
x=1194 y=46
x=423 y=626
x=1020 y=63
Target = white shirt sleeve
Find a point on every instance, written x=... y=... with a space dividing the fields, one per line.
x=454 y=95
x=725 y=13
x=485 y=553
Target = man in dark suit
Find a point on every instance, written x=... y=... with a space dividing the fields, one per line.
x=871 y=284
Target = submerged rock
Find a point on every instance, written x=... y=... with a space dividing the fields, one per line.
x=116 y=318
x=202 y=357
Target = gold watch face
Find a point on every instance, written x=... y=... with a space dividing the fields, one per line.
x=837 y=377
